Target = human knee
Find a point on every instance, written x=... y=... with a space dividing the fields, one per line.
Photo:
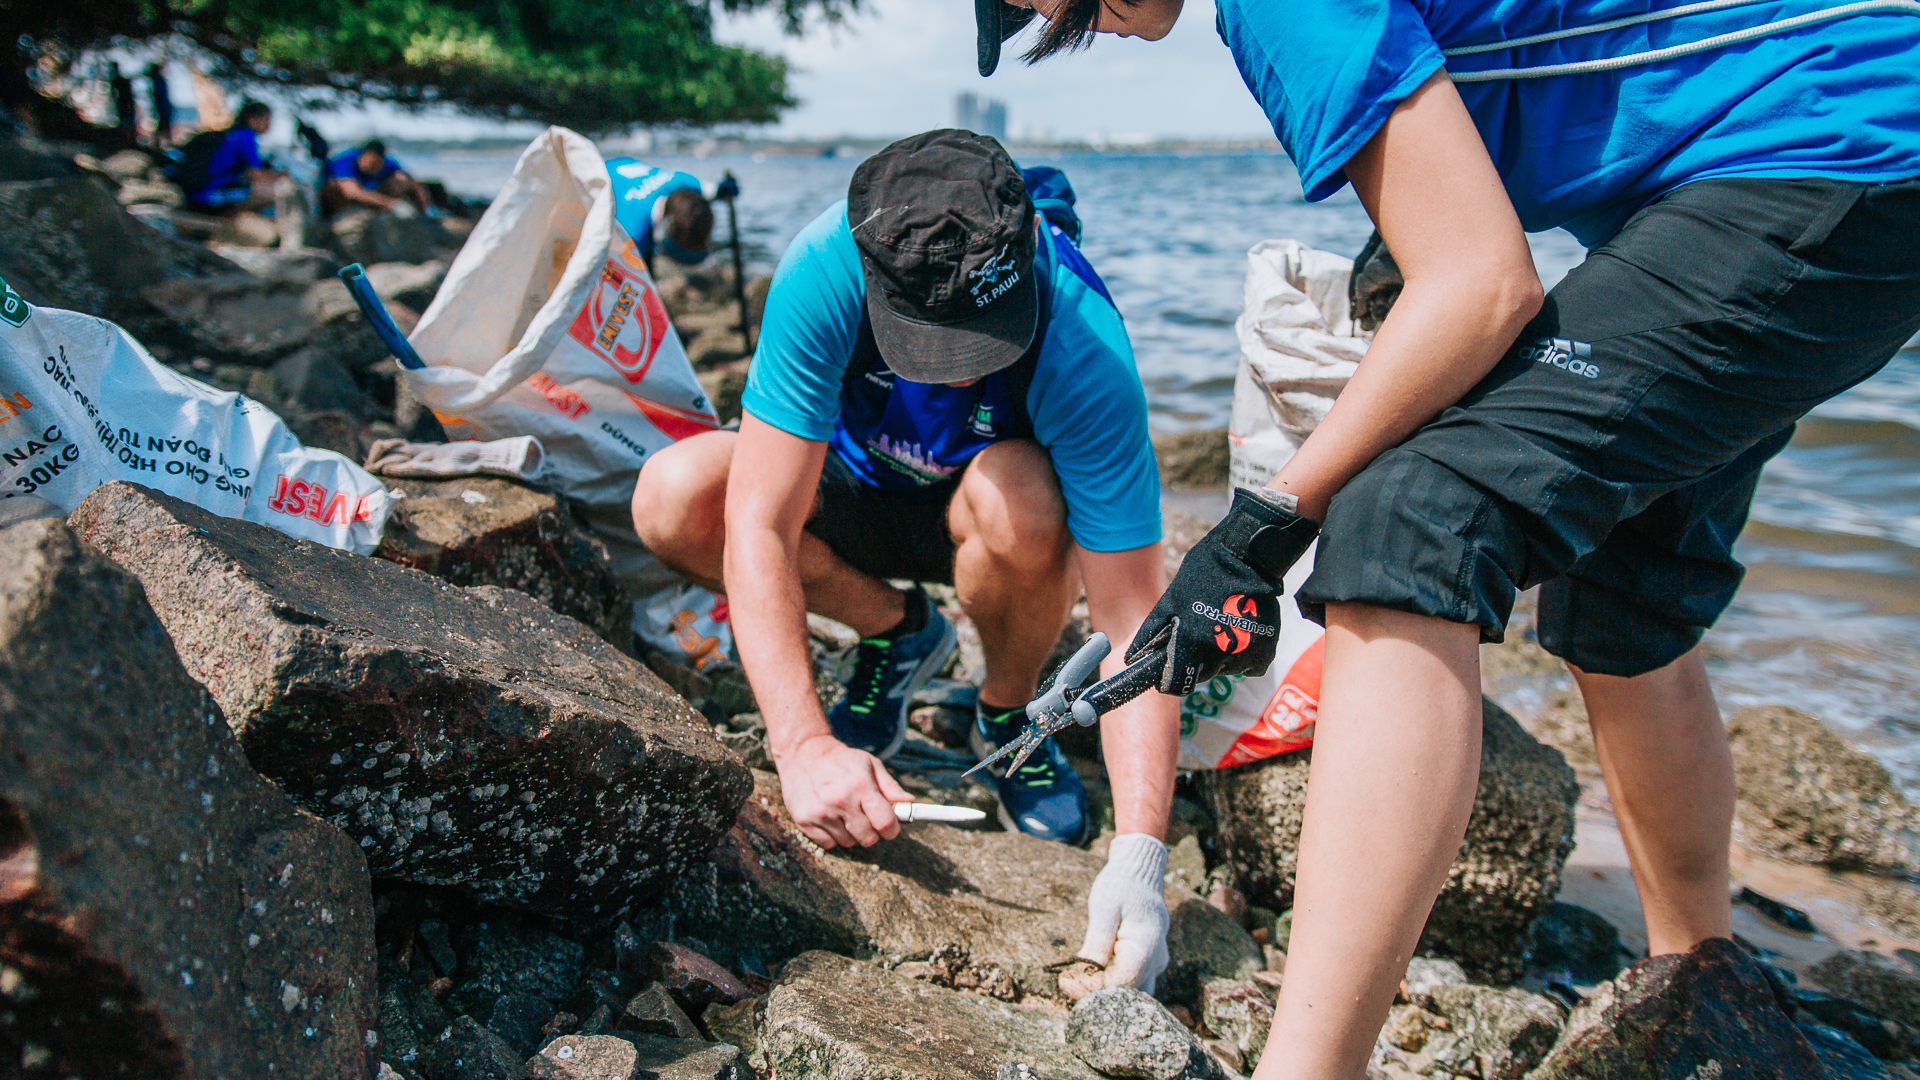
x=1010 y=502
x=679 y=502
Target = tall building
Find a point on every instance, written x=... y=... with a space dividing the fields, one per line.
x=981 y=114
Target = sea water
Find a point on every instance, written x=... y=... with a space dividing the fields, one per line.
x=1828 y=618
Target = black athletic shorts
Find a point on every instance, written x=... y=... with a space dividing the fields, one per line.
x=1611 y=456
x=880 y=532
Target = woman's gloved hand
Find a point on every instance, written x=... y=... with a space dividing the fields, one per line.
x=1127 y=913
x=1221 y=615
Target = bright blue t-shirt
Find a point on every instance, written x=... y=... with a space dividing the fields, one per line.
x=227 y=168
x=1086 y=403
x=1838 y=99
x=636 y=187
x=345 y=165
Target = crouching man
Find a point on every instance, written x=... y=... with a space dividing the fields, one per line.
x=942 y=392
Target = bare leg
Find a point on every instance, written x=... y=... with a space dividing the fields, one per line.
x=1396 y=760
x=680 y=513
x=1011 y=568
x=1669 y=773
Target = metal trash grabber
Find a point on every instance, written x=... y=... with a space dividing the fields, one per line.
x=1065 y=703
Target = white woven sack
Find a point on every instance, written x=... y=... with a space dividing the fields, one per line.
x=549 y=325
x=82 y=404
x=1298 y=347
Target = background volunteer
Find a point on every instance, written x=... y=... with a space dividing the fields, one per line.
x=366 y=175
x=926 y=278
x=664 y=210
x=237 y=176
x=1755 y=231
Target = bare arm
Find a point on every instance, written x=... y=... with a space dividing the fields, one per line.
x=1141 y=740
x=838 y=795
x=1434 y=194
x=354 y=191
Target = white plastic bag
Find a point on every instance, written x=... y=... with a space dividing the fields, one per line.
x=1298 y=347
x=549 y=325
x=81 y=404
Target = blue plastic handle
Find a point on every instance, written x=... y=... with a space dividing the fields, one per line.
x=355 y=279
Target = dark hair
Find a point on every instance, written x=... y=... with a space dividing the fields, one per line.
x=689 y=219
x=375 y=146
x=253 y=109
x=1070 y=28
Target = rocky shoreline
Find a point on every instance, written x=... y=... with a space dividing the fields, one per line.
x=271 y=809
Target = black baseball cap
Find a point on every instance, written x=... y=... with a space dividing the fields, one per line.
x=997 y=21
x=946 y=236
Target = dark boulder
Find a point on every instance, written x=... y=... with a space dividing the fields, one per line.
x=485 y=530
x=465 y=737
x=1709 y=1012
x=1574 y=943
x=164 y=911
x=1506 y=875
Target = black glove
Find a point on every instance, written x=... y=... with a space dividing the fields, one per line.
x=1221 y=615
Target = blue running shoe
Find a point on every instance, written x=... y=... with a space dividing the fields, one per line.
x=886 y=673
x=1043 y=797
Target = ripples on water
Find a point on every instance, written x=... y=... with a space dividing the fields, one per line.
x=1829 y=617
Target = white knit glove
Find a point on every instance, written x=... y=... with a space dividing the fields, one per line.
x=519 y=457
x=1127 y=913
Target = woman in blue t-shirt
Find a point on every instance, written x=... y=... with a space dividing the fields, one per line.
x=1746 y=181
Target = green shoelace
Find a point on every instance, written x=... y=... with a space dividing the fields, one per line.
x=870 y=675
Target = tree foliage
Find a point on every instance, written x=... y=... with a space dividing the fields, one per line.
x=595 y=65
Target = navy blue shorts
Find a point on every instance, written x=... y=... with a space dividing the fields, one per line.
x=1611 y=456
x=882 y=533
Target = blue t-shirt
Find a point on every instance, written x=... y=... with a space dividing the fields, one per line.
x=345 y=165
x=1838 y=99
x=636 y=187
x=1086 y=403
x=237 y=153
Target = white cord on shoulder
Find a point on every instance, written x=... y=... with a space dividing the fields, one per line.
x=1655 y=55
x=1597 y=28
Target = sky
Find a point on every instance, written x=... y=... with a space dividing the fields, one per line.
x=895 y=69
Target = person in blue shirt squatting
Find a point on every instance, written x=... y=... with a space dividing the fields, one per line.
x=237 y=177
x=942 y=392
x=1745 y=180
x=665 y=211
x=366 y=176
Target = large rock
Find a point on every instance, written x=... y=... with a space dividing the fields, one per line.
x=1508 y=870
x=636 y=1057
x=831 y=1017
x=1808 y=795
x=1873 y=980
x=254 y=319
x=1122 y=1032
x=370 y=236
x=1194 y=459
x=464 y=737
x=68 y=244
x=163 y=910
x=1708 y=1013
x=484 y=530
x=996 y=911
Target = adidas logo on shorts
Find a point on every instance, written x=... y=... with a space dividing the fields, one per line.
x=1569 y=355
